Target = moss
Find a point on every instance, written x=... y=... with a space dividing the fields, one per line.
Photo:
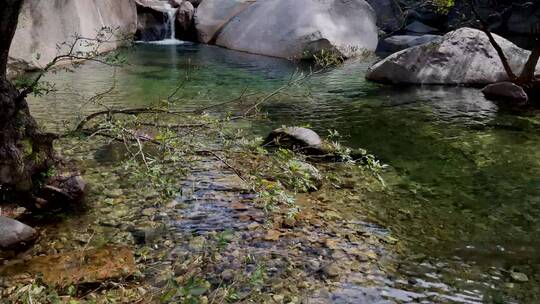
x=26 y=147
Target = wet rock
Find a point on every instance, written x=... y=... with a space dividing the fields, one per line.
x=313 y=265
x=272 y=235
x=13 y=233
x=12 y=211
x=147 y=232
x=505 y=91
x=519 y=277
x=78 y=267
x=227 y=275
x=113 y=193
x=149 y=211
x=68 y=187
x=331 y=270
x=295 y=138
x=197 y=243
x=463 y=56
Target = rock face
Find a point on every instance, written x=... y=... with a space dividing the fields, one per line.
x=390 y=17
x=288 y=29
x=44 y=24
x=151 y=23
x=213 y=15
x=464 y=56
x=13 y=232
x=505 y=91
x=184 y=15
x=400 y=42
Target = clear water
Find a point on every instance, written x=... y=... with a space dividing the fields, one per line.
x=464 y=177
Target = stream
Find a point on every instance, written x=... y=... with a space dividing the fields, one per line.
x=463 y=173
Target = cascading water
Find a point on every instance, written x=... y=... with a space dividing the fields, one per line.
x=171 y=16
x=170 y=34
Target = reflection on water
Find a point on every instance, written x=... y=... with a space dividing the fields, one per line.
x=465 y=177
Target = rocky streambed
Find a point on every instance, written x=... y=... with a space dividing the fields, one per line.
x=214 y=242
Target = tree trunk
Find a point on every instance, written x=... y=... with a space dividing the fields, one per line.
x=25 y=152
x=485 y=28
x=527 y=75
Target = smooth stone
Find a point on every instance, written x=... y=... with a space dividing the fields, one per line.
x=227 y=275
x=294 y=138
x=519 y=277
x=13 y=232
x=149 y=211
x=197 y=243
x=331 y=270
x=297 y=29
x=113 y=193
x=505 y=91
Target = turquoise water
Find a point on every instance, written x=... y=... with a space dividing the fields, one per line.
x=464 y=173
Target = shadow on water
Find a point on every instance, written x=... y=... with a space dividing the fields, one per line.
x=464 y=173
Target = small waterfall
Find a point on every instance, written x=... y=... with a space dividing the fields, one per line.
x=171 y=19
x=170 y=27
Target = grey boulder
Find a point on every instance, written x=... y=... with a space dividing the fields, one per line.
x=505 y=91
x=13 y=232
x=289 y=29
x=294 y=138
x=463 y=56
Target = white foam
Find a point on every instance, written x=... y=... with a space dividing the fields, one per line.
x=164 y=42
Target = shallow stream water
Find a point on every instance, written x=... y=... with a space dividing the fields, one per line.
x=464 y=173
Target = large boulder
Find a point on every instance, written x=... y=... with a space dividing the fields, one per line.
x=13 y=232
x=43 y=25
x=212 y=15
x=291 y=29
x=464 y=56
x=400 y=42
